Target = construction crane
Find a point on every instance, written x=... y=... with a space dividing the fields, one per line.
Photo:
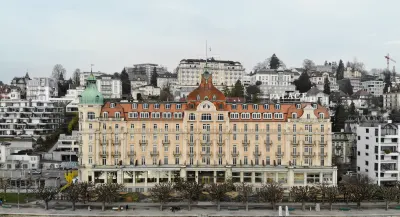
x=388 y=59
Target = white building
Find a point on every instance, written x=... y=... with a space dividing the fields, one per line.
x=356 y=84
x=41 y=89
x=391 y=100
x=167 y=79
x=84 y=75
x=145 y=92
x=273 y=81
x=373 y=87
x=361 y=99
x=315 y=95
x=318 y=78
x=68 y=142
x=25 y=118
x=349 y=73
x=145 y=68
x=224 y=72
x=377 y=151
x=15 y=93
x=110 y=87
x=11 y=160
x=71 y=98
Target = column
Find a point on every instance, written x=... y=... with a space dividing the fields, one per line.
x=183 y=174
x=305 y=178
x=253 y=178
x=228 y=173
x=196 y=175
x=321 y=177
x=290 y=177
x=158 y=177
x=264 y=177
x=241 y=177
x=169 y=176
x=133 y=178
x=120 y=178
x=334 y=177
x=215 y=176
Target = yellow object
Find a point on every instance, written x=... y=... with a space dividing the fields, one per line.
x=69 y=177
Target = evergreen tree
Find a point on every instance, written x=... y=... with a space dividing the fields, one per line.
x=252 y=92
x=126 y=83
x=340 y=71
x=346 y=87
x=154 y=76
x=339 y=118
x=226 y=91
x=238 y=89
x=274 y=62
x=352 y=110
x=303 y=83
x=327 y=86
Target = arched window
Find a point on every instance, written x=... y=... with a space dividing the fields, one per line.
x=192 y=117
x=198 y=97
x=90 y=116
x=321 y=115
x=117 y=115
x=214 y=97
x=105 y=114
x=206 y=117
x=206 y=98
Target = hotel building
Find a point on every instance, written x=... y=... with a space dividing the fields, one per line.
x=204 y=139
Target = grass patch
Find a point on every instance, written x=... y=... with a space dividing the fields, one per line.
x=13 y=197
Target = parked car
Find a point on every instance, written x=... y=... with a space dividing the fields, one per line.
x=35 y=172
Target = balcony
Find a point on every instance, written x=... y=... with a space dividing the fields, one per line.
x=191 y=154
x=143 y=142
x=205 y=143
x=246 y=142
x=323 y=143
x=295 y=154
x=220 y=143
x=116 y=143
x=221 y=154
x=131 y=154
x=323 y=154
x=205 y=153
x=166 y=142
x=235 y=154
x=154 y=153
x=279 y=154
x=294 y=142
x=257 y=153
x=103 y=153
x=116 y=154
x=308 y=154
x=177 y=154
x=268 y=142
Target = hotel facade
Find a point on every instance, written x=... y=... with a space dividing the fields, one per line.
x=204 y=139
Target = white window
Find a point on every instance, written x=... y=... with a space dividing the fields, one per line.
x=117 y=115
x=167 y=115
x=178 y=106
x=90 y=126
x=321 y=115
x=90 y=116
x=155 y=115
x=167 y=106
x=206 y=117
x=278 y=115
x=277 y=106
x=266 y=106
x=134 y=106
x=234 y=115
x=157 y=106
x=132 y=126
x=220 y=117
x=314 y=106
x=112 y=105
x=267 y=115
x=245 y=116
x=255 y=106
x=178 y=115
x=132 y=114
x=90 y=160
x=244 y=106
x=192 y=117
x=105 y=114
x=256 y=115
x=145 y=106
x=234 y=106
x=144 y=115
x=298 y=106
x=294 y=115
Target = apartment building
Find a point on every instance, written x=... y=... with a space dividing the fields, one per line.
x=350 y=73
x=109 y=86
x=204 y=139
x=225 y=72
x=318 y=78
x=68 y=142
x=145 y=68
x=377 y=151
x=373 y=87
x=12 y=160
x=344 y=149
x=27 y=118
x=21 y=82
x=167 y=79
x=41 y=89
x=391 y=100
x=84 y=75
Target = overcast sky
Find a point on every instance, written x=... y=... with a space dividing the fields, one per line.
x=36 y=35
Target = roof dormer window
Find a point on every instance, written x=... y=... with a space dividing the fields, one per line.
x=206 y=98
x=277 y=106
x=198 y=97
x=298 y=106
x=134 y=106
x=112 y=105
x=214 y=98
x=294 y=115
x=315 y=105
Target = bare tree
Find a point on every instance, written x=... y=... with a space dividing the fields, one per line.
x=86 y=191
x=331 y=193
x=356 y=65
x=107 y=193
x=4 y=185
x=308 y=65
x=72 y=193
x=245 y=191
x=46 y=194
x=360 y=188
x=303 y=194
x=76 y=76
x=272 y=193
x=161 y=193
x=266 y=64
x=217 y=191
x=59 y=72
x=389 y=194
x=190 y=190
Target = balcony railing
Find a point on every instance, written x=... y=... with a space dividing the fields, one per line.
x=268 y=142
x=103 y=153
x=294 y=154
x=205 y=153
x=131 y=153
x=246 y=142
x=220 y=143
x=143 y=142
x=116 y=154
x=191 y=154
x=154 y=153
x=221 y=154
x=205 y=143
x=294 y=142
x=309 y=154
x=279 y=153
x=177 y=154
x=235 y=154
x=323 y=154
x=257 y=153
x=166 y=142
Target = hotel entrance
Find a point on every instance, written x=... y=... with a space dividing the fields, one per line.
x=206 y=177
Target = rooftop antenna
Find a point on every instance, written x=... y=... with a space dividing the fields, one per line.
x=91 y=68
